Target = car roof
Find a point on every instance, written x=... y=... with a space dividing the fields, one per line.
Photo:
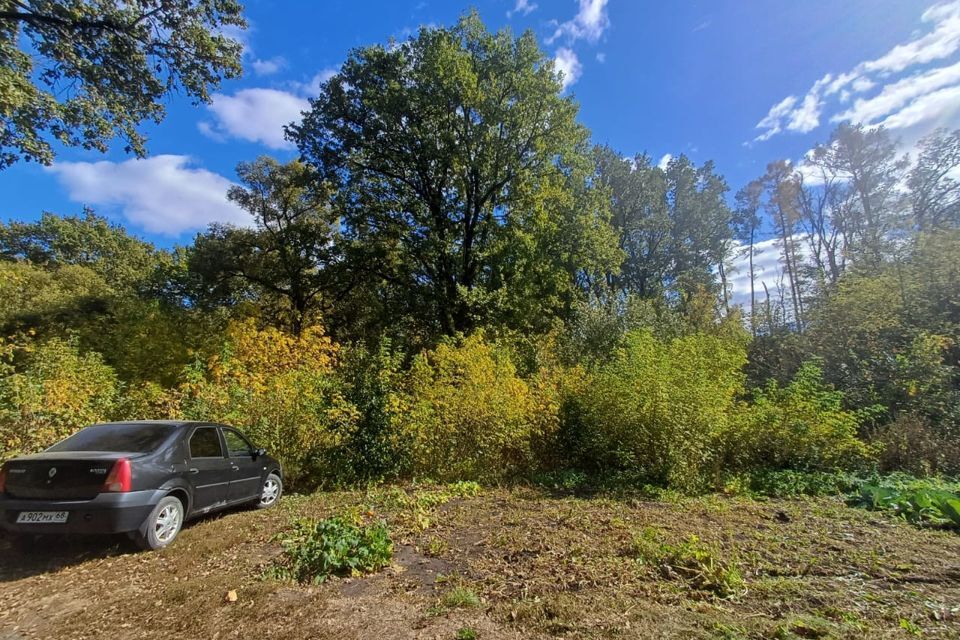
x=169 y=423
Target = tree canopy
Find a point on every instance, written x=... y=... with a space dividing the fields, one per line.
x=83 y=72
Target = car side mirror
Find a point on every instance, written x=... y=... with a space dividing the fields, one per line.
x=258 y=453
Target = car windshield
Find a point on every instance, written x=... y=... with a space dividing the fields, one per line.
x=140 y=438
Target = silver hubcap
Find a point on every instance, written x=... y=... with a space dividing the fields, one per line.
x=168 y=523
x=271 y=489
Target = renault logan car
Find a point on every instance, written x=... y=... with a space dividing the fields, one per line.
x=140 y=478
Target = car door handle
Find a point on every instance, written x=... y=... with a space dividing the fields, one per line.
x=194 y=470
x=235 y=467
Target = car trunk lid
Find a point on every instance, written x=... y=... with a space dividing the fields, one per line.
x=60 y=475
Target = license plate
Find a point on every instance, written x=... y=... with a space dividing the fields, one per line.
x=42 y=517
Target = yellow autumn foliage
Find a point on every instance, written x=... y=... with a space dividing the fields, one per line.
x=54 y=391
x=465 y=413
x=279 y=389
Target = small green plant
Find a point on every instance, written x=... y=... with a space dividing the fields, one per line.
x=460 y=598
x=910 y=627
x=466 y=633
x=316 y=549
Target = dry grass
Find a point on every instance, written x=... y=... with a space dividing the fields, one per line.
x=536 y=565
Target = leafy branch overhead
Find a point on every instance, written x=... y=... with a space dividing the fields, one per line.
x=80 y=73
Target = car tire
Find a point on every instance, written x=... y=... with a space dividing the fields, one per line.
x=270 y=492
x=161 y=526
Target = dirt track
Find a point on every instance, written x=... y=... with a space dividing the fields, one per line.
x=542 y=566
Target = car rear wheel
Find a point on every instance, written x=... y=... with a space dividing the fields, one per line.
x=270 y=493
x=162 y=525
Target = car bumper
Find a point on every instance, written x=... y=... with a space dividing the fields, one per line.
x=107 y=513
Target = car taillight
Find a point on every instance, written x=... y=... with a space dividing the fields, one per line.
x=3 y=478
x=119 y=479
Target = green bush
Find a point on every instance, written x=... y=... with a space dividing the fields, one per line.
x=317 y=549
x=657 y=409
x=802 y=426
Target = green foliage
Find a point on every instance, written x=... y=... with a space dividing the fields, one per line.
x=466 y=633
x=466 y=414
x=369 y=448
x=919 y=502
x=478 y=213
x=658 y=408
x=317 y=549
x=286 y=261
x=104 y=67
x=802 y=425
x=48 y=391
x=460 y=598
x=791 y=484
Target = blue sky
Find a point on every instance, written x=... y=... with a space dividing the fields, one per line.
x=740 y=82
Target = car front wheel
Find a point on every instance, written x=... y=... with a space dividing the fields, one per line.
x=162 y=525
x=270 y=493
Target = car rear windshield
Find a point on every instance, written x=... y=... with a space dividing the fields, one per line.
x=139 y=438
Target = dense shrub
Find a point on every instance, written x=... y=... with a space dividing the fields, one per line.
x=342 y=545
x=656 y=410
x=912 y=444
x=368 y=448
x=48 y=390
x=465 y=413
x=280 y=390
x=802 y=425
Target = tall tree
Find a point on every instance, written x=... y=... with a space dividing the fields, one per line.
x=81 y=72
x=781 y=187
x=641 y=220
x=452 y=153
x=867 y=159
x=746 y=226
x=285 y=261
x=934 y=187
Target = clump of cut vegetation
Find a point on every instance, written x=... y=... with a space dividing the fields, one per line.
x=316 y=549
x=699 y=565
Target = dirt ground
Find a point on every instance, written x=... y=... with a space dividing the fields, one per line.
x=534 y=564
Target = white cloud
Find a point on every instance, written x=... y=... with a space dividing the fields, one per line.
x=589 y=23
x=936 y=109
x=311 y=89
x=940 y=43
x=897 y=95
x=257 y=115
x=567 y=63
x=269 y=66
x=523 y=7
x=161 y=194
x=601 y=57
x=773 y=121
x=664 y=161
x=902 y=100
x=806 y=117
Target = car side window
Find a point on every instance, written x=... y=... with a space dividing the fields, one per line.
x=237 y=445
x=205 y=443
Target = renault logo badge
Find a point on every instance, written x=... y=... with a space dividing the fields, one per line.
x=52 y=472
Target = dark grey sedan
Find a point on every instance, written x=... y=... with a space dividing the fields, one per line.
x=140 y=478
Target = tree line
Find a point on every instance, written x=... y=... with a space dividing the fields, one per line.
x=451 y=278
